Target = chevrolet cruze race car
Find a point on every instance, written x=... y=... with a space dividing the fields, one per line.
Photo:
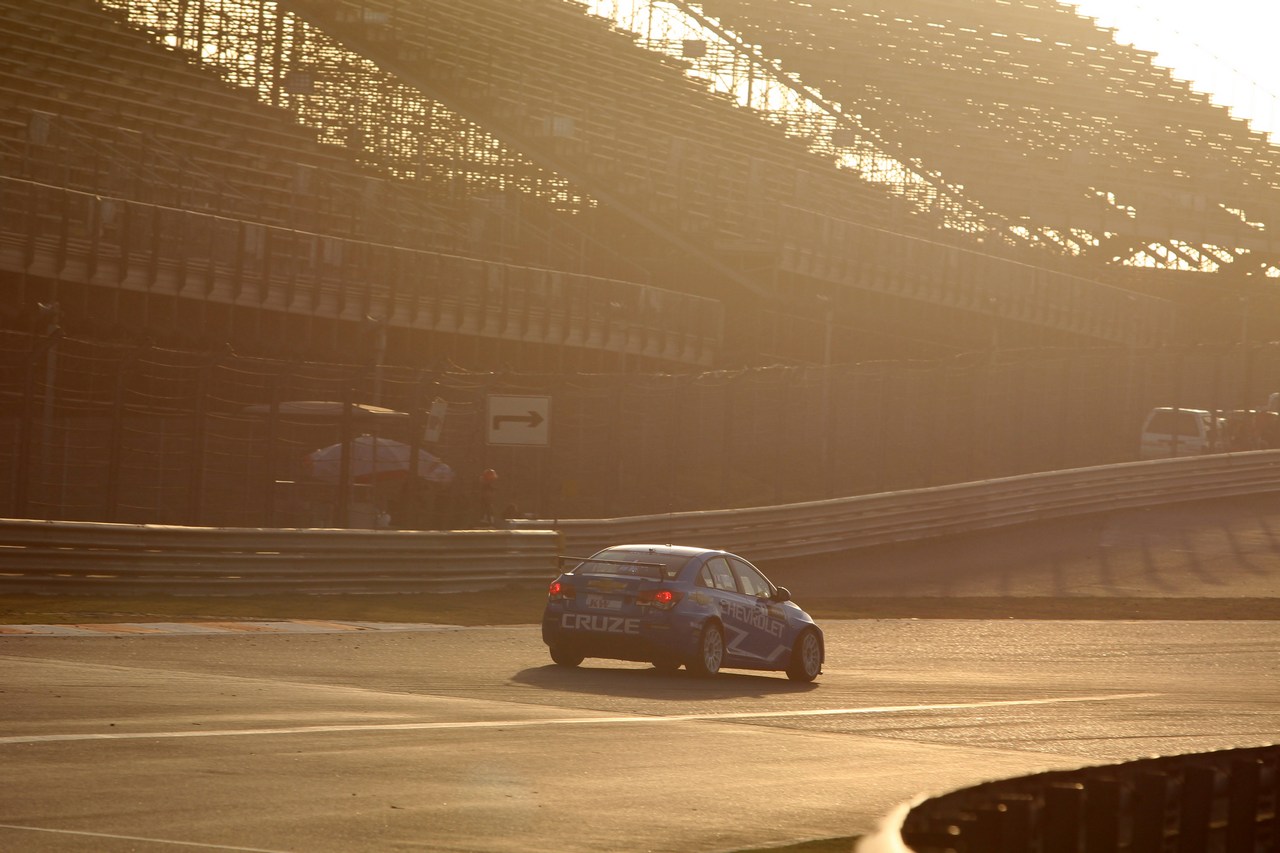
x=671 y=605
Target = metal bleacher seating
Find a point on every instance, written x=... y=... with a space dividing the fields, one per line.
x=101 y=101
x=730 y=186
x=625 y=122
x=1039 y=114
x=97 y=106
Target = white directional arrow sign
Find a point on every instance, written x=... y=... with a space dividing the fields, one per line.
x=518 y=420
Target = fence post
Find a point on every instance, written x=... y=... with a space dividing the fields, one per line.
x=347 y=422
x=199 y=446
x=269 y=474
x=44 y=350
x=116 y=451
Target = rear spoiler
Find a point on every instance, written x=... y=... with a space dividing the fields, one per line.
x=661 y=567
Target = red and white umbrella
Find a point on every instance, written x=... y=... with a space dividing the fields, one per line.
x=376 y=459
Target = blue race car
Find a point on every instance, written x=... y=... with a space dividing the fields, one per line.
x=672 y=605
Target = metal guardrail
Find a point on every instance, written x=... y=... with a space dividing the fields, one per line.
x=842 y=524
x=79 y=557
x=87 y=557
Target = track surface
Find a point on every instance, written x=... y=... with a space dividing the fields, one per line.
x=300 y=737
x=469 y=739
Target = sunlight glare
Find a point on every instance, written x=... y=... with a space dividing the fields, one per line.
x=1224 y=49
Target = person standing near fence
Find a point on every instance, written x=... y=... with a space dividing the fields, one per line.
x=488 y=487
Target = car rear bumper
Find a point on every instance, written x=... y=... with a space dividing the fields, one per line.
x=639 y=638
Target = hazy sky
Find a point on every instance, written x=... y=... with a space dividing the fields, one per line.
x=1229 y=49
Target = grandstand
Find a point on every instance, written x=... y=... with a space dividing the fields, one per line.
x=1049 y=129
x=490 y=182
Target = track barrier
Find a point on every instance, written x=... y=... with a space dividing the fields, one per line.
x=81 y=557
x=843 y=524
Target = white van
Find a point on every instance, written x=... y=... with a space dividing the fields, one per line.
x=1180 y=432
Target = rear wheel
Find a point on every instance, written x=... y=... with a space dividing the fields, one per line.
x=565 y=657
x=706 y=662
x=806 y=657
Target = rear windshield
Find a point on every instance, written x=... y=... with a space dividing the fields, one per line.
x=1175 y=423
x=644 y=564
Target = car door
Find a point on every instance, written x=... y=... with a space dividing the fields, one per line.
x=745 y=617
x=769 y=625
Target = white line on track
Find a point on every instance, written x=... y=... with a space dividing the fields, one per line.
x=137 y=838
x=227 y=626
x=568 y=721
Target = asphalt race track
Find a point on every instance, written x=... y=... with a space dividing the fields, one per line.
x=355 y=738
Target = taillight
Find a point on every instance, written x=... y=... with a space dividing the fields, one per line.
x=661 y=599
x=559 y=591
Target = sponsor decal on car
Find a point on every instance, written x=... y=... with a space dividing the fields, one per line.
x=754 y=617
x=606 y=624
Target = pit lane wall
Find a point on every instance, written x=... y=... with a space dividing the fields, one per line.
x=85 y=557
x=1219 y=801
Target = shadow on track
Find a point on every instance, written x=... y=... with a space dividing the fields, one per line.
x=633 y=682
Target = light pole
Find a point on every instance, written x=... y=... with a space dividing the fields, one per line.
x=825 y=438
x=994 y=305
x=375 y=332
x=48 y=320
x=1248 y=356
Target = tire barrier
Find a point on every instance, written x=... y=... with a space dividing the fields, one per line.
x=1221 y=801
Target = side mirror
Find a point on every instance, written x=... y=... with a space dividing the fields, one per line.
x=782 y=594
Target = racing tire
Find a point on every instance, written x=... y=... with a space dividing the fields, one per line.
x=710 y=654
x=806 y=657
x=565 y=657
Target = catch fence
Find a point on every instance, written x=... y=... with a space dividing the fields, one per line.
x=143 y=434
